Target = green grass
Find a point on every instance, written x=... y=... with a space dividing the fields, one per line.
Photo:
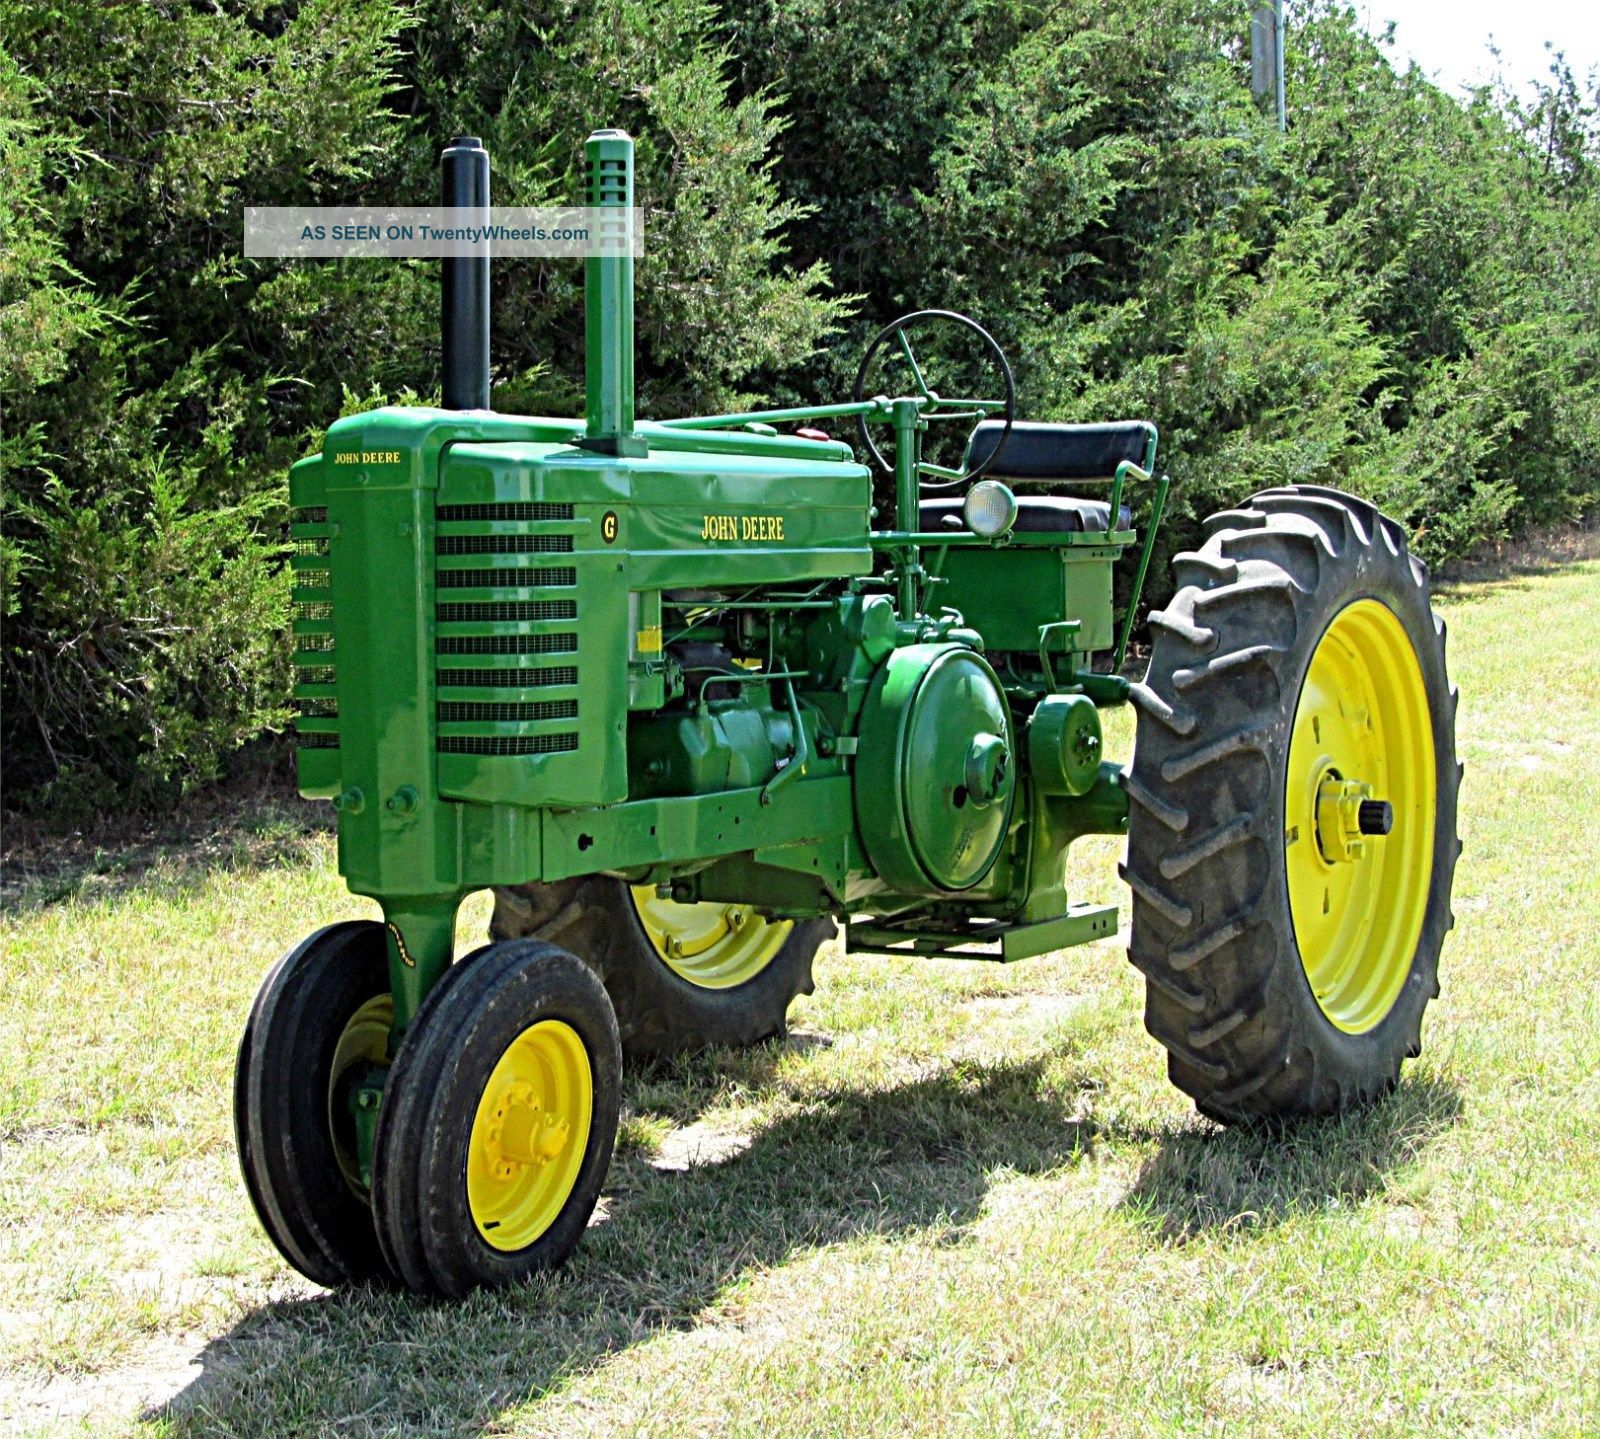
x=961 y=1200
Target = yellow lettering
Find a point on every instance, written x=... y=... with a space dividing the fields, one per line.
x=742 y=529
x=368 y=457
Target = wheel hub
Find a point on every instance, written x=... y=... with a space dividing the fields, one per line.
x=523 y=1131
x=355 y=1083
x=1346 y=815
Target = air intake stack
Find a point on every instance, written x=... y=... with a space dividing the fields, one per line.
x=608 y=299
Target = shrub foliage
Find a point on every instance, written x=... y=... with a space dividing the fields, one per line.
x=1400 y=295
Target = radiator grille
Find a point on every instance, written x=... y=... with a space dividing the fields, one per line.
x=508 y=644
x=508 y=679
x=533 y=612
x=471 y=711
x=315 y=674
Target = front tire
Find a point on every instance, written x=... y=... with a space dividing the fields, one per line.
x=1292 y=830
x=498 y=1121
x=322 y=1010
x=681 y=976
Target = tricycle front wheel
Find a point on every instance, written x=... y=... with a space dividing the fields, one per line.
x=498 y=1121
x=322 y=1012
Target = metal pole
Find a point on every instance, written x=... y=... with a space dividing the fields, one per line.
x=464 y=281
x=1266 y=57
x=908 y=425
x=1278 y=47
x=608 y=301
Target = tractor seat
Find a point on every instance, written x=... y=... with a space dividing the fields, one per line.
x=1038 y=451
x=1036 y=514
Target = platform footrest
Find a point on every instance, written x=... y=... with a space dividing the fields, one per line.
x=983 y=939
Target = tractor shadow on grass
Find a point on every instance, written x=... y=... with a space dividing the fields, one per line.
x=832 y=1167
x=170 y=857
x=1203 y=1180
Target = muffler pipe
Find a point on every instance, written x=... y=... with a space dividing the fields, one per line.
x=464 y=281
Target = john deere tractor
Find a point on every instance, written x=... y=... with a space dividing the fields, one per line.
x=687 y=702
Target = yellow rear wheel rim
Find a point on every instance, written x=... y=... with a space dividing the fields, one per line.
x=713 y=946
x=530 y=1135
x=1362 y=718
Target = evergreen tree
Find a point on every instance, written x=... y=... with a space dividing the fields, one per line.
x=1398 y=296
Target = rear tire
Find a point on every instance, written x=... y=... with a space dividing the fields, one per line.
x=1216 y=889
x=659 y=1011
x=295 y=1168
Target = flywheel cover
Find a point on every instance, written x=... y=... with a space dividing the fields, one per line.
x=935 y=769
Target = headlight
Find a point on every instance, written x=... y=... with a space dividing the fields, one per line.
x=990 y=509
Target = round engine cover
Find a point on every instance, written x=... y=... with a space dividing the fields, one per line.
x=935 y=769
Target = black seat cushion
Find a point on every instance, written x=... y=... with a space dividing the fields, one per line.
x=1038 y=451
x=1036 y=514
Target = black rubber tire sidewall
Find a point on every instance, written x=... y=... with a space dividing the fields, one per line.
x=286 y=1152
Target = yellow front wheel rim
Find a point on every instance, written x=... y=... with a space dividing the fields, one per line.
x=363 y=1040
x=712 y=946
x=1357 y=901
x=530 y=1134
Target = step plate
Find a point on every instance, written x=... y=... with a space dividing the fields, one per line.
x=991 y=940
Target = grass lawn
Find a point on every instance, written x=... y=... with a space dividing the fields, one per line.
x=960 y=1200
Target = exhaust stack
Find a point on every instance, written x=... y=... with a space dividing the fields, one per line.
x=464 y=282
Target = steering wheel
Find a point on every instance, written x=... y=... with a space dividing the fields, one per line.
x=938 y=406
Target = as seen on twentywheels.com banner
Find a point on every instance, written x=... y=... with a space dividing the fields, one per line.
x=437 y=232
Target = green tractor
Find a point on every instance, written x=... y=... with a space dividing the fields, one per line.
x=681 y=698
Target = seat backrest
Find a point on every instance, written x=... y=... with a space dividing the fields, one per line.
x=1040 y=451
